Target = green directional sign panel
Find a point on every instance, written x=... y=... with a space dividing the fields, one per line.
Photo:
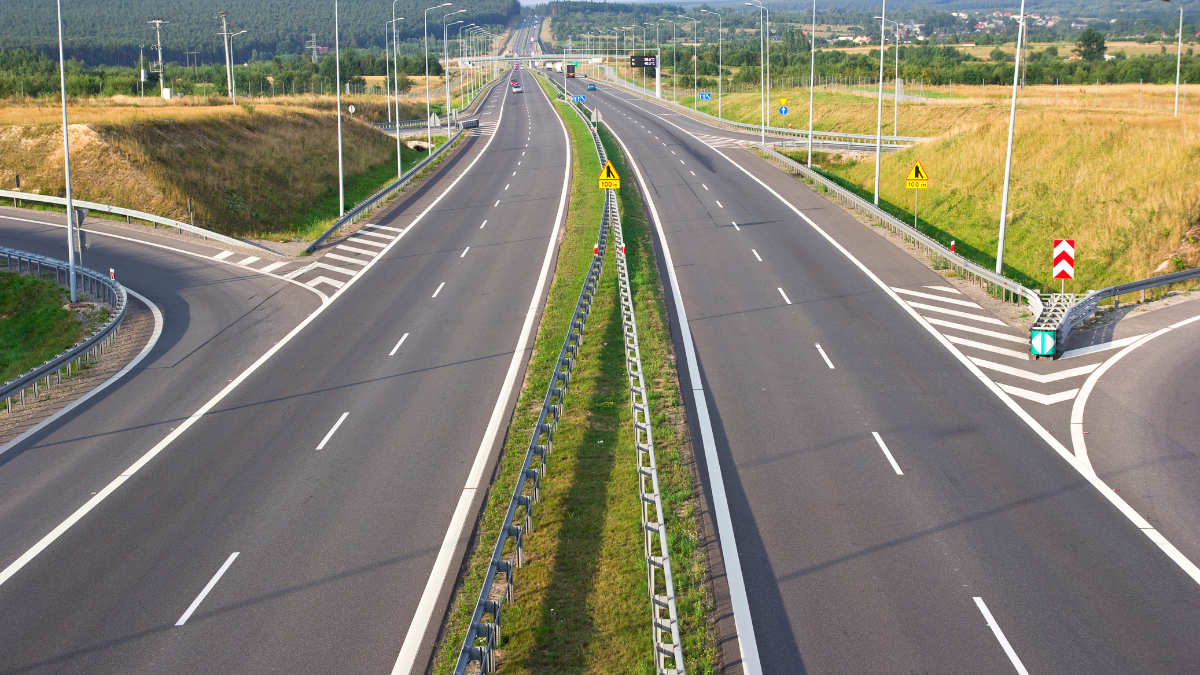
x=1042 y=343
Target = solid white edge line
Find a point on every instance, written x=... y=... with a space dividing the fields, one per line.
x=1084 y=470
x=439 y=289
x=1079 y=444
x=150 y=454
x=991 y=622
x=887 y=453
x=402 y=339
x=324 y=298
x=211 y=583
x=743 y=622
x=335 y=428
x=443 y=571
x=158 y=327
x=825 y=356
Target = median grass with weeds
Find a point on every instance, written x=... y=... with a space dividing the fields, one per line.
x=34 y=326
x=1122 y=188
x=581 y=602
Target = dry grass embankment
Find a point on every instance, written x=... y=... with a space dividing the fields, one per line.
x=581 y=601
x=1123 y=187
x=266 y=171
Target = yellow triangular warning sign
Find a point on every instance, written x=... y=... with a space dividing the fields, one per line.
x=783 y=101
x=917 y=173
x=609 y=173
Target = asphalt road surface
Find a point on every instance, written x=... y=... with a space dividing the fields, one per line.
x=894 y=509
x=335 y=470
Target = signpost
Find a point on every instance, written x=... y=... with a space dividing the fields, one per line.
x=637 y=61
x=1064 y=261
x=916 y=180
x=609 y=178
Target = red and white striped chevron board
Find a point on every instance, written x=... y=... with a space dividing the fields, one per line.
x=1064 y=258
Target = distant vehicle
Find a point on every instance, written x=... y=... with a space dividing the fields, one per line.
x=517 y=89
x=470 y=124
x=514 y=82
x=591 y=87
x=570 y=70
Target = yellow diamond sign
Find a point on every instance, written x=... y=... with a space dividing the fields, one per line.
x=609 y=178
x=917 y=179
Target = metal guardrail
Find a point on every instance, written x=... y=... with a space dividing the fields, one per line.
x=479 y=645
x=128 y=213
x=465 y=112
x=90 y=282
x=668 y=648
x=1009 y=289
x=363 y=209
x=825 y=136
x=1080 y=310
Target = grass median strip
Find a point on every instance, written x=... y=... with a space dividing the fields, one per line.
x=581 y=602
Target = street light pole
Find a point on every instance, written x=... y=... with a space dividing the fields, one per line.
x=446 y=54
x=1012 y=119
x=337 y=64
x=762 y=60
x=71 y=224
x=674 y=49
x=812 y=74
x=387 y=78
x=396 y=58
x=1178 y=59
x=895 y=76
x=720 y=56
x=879 y=109
x=695 y=64
x=428 y=109
x=232 y=65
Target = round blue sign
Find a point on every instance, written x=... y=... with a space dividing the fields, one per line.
x=783 y=110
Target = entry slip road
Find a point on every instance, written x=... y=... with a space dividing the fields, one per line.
x=335 y=544
x=850 y=566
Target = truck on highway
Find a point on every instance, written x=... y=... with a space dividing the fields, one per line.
x=570 y=70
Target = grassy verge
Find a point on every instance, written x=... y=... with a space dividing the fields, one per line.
x=1115 y=185
x=581 y=603
x=33 y=324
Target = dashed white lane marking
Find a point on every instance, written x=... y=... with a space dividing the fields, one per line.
x=273 y=266
x=496 y=204
x=464 y=253
x=930 y=296
x=946 y=289
x=222 y=255
x=248 y=260
x=345 y=258
x=955 y=312
x=484 y=223
x=991 y=622
x=719 y=204
x=1012 y=353
x=514 y=173
x=331 y=431
x=825 y=356
x=211 y=582
x=325 y=280
x=402 y=339
x=673 y=152
x=756 y=255
x=785 y=297
x=518 y=164
x=978 y=331
x=692 y=172
x=1044 y=399
x=522 y=153
x=735 y=226
x=355 y=250
x=887 y=453
x=704 y=186
x=506 y=186
x=439 y=289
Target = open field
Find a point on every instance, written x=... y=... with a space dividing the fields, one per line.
x=1064 y=48
x=1123 y=187
x=120 y=109
x=581 y=601
x=266 y=171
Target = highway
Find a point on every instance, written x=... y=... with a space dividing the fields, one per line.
x=287 y=482
x=894 y=507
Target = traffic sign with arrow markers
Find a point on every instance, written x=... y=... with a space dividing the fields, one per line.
x=917 y=179
x=783 y=110
x=1064 y=258
x=609 y=178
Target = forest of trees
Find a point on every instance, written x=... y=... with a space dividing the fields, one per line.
x=98 y=36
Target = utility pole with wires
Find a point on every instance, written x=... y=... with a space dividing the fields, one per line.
x=157 y=66
x=228 y=68
x=195 y=66
x=142 y=71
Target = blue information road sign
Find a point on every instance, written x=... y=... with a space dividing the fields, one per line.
x=783 y=110
x=705 y=97
x=578 y=99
